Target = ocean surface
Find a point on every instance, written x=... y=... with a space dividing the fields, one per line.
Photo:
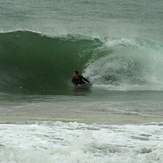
x=118 y=45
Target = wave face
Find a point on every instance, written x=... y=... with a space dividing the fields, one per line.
x=33 y=63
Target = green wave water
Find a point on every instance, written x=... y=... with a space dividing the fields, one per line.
x=33 y=63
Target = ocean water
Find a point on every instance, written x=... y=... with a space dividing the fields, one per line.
x=78 y=142
x=117 y=44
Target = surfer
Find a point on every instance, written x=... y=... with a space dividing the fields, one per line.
x=78 y=79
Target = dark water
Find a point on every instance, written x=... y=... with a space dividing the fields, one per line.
x=33 y=63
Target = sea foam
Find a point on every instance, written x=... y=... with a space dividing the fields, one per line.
x=81 y=143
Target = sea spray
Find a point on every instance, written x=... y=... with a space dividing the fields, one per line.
x=127 y=64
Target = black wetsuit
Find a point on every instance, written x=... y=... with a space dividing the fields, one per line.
x=76 y=80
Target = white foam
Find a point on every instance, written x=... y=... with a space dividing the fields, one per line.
x=80 y=143
x=127 y=64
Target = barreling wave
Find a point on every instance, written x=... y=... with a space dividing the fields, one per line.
x=35 y=63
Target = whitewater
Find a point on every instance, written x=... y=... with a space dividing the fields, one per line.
x=117 y=44
x=74 y=142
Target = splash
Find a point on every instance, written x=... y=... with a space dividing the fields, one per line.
x=127 y=65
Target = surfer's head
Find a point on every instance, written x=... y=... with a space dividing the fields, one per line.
x=76 y=72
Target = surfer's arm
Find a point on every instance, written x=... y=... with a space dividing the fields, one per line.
x=85 y=79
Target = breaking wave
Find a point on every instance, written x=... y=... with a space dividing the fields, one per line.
x=127 y=65
x=34 y=63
